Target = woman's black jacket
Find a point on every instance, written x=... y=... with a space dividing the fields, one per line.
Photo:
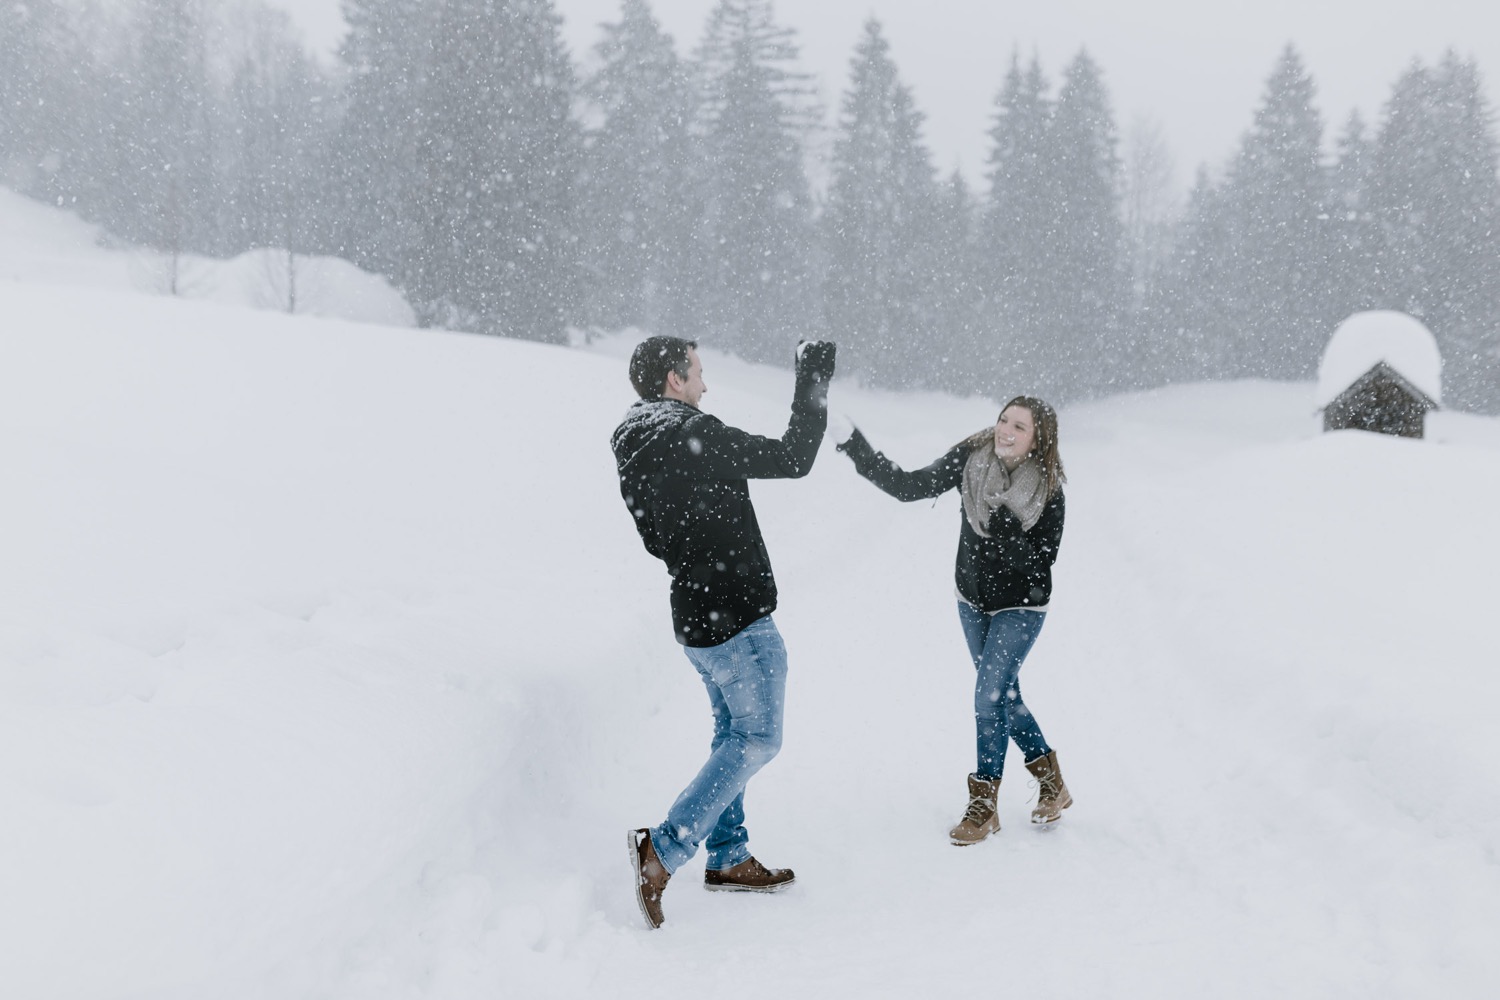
x=1013 y=569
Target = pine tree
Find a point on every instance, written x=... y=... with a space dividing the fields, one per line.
x=880 y=291
x=376 y=158
x=501 y=159
x=1150 y=217
x=1355 y=236
x=1436 y=199
x=61 y=111
x=165 y=146
x=1018 y=235
x=92 y=114
x=961 y=329
x=638 y=171
x=1148 y=203
x=1277 y=309
x=755 y=235
x=30 y=77
x=1088 y=290
x=275 y=91
x=1187 y=338
x=773 y=47
x=274 y=87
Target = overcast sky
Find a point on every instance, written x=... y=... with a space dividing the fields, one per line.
x=1196 y=68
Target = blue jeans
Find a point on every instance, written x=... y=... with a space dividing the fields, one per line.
x=746 y=682
x=999 y=643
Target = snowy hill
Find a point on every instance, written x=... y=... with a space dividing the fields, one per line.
x=330 y=666
x=42 y=244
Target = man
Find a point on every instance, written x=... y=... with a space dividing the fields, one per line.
x=683 y=475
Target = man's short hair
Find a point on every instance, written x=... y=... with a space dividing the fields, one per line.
x=653 y=358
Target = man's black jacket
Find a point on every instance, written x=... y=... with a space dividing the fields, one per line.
x=683 y=475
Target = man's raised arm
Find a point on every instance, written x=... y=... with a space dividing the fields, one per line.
x=730 y=453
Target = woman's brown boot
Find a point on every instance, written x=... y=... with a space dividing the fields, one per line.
x=980 y=819
x=1053 y=796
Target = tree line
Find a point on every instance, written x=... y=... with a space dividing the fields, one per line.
x=455 y=147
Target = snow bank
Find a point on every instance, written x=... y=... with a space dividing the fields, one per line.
x=43 y=244
x=1367 y=338
x=315 y=286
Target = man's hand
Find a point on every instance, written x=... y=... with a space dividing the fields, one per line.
x=815 y=359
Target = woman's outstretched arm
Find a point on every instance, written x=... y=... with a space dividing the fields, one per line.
x=933 y=480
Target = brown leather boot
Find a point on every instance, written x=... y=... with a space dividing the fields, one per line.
x=980 y=819
x=650 y=877
x=748 y=876
x=1053 y=796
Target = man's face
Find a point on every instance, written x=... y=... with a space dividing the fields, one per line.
x=691 y=389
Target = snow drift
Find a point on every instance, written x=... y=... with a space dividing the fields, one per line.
x=43 y=244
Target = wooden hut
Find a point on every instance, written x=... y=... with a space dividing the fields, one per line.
x=1381 y=372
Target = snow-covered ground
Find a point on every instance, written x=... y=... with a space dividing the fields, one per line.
x=330 y=666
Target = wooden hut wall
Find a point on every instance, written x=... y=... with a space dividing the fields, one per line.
x=1377 y=403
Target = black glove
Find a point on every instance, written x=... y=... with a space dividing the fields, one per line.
x=1004 y=523
x=854 y=444
x=815 y=359
x=840 y=428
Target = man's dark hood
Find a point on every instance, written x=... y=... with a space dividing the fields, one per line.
x=648 y=425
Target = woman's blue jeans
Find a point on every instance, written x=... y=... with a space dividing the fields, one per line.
x=746 y=682
x=999 y=643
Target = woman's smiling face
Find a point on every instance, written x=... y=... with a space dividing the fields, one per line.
x=1015 y=435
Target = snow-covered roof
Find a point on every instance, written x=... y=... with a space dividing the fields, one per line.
x=1367 y=338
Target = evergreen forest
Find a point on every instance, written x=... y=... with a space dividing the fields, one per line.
x=457 y=148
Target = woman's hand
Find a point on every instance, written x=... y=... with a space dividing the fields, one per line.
x=854 y=445
x=840 y=429
x=1004 y=523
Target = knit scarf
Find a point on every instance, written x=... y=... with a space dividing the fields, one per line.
x=988 y=483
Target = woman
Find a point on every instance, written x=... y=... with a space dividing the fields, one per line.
x=1010 y=479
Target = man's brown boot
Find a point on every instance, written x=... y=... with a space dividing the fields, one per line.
x=748 y=876
x=980 y=819
x=1053 y=796
x=650 y=877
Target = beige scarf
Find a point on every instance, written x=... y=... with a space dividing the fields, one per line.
x=988 y=484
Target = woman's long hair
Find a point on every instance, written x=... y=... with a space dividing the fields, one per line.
x=1044 y=423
